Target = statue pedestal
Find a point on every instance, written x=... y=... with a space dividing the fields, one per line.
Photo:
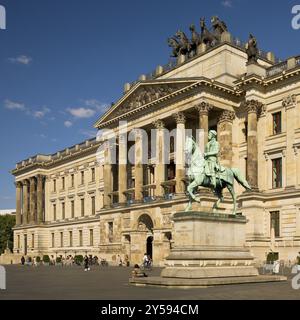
x=209 y=246
x=209 y=249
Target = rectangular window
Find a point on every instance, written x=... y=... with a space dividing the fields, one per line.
x=82 y=177
x=53 y=240
x=32 y=241
x=72 y=209
x=93 y=174
x=61 y=239
x=72 y=181
x=71 y=238
x=54 y=185
x=63 y=210
x=275 y=223
x=80 y=238
x=277 y=173
x=82 y=207
x=93 y=206
x=63 y=185
x=54 y=212
x=110 y=232
x=277 y=123
x=18 y=244
x=91 y=237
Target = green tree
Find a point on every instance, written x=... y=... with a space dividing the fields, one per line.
x=7 y=222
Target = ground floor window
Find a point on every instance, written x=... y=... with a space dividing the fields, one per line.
x=275 y=223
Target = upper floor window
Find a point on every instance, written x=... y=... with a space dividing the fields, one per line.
x=82 y=177
x=72 y=180
x=72 y=209
x=32 y=240
x=54 y=185
x=93 y=175
x=63 y=185
x=275 y=223
x=91 y=237
x=277 y=123
x=82 y=207
x=54 y=212
x=63 y=209
x=93 y=206
x=277 y=173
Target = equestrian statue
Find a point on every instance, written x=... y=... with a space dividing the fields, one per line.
x=205 y=171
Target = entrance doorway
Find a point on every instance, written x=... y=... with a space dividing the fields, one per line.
x=150 y=246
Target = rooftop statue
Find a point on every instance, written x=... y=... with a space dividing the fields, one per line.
x=184 y=42
x=195 y=40
x=205 y=171
x=173 y=43
x=252 y=49
x=207 y=37
x=219 y=27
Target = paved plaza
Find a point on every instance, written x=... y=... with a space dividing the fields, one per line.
x=103 y=283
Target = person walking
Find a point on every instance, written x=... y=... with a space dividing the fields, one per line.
x=86 y=263
x=22 y=260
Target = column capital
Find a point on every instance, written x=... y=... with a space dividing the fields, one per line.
x=25 y=183
x=253 y=106
x=19 y=184
x=204 y=107
x=179 y=118
x=159 y=124
x=227 y=116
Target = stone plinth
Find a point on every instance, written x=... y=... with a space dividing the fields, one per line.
x=209 y=249
x=209 y=246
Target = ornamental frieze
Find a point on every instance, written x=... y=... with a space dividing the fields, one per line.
x=146 y=95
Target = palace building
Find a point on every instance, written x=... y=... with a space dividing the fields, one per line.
x=72 y=203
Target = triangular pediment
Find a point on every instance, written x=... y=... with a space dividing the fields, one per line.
x=144 y=94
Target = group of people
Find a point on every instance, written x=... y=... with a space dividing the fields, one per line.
x=123 y=263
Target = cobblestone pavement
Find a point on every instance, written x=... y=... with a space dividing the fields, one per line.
x=103 y=283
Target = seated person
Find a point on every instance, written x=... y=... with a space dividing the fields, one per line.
x=137 y=273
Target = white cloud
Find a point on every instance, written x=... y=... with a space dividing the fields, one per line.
x=12 y=105
x=25 y=60
x=99 y=106
x=39 y=114
x=227 y=3
x=82 y=112
x=68 y=124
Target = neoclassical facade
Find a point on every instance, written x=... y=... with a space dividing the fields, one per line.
x=73 y=203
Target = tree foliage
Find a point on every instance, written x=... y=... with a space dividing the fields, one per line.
x=7 y=222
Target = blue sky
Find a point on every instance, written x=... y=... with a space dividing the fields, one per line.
x=63 y=61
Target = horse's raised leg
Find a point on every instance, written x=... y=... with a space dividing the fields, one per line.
x=232 y=192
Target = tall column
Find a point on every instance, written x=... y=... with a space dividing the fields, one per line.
x=225 y=137
x=160 y=165
x=25 y=202
x=253 y=107
x=122 y=168
x=107 y=176
x=290 y=103
x=40 y=199
x=32 y=215
x=18 y=203
x=180 y=156
x=203 y=108
x=138 y=168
